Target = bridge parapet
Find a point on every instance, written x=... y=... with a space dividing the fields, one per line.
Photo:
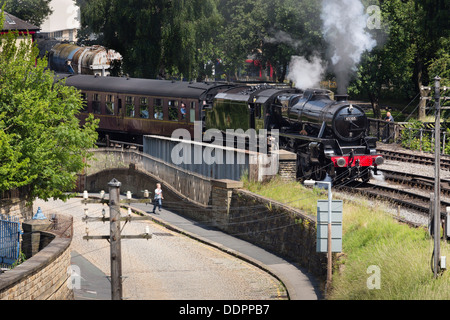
x=195 y=187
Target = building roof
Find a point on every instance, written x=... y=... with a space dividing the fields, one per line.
x=12 y=23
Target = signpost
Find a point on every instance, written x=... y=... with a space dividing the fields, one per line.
x=329 y=227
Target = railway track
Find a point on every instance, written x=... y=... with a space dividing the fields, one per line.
x=416 y=180
x=395 y=194
x=404 y=156
x=408 y=190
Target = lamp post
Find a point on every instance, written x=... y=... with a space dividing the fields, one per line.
x=311 y=183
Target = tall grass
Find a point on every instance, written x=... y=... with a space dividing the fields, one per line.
x=371 y=237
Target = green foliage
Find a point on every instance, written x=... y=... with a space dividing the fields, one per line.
x=371 y=237
x=441 y=64
x=416 y=137
x=22 y=258
x=156 y=37
x=42 y=146
x=272 y=31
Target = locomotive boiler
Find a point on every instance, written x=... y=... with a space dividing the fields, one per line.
x=64 y=57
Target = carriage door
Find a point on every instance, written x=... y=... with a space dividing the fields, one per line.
x=119 y=117
x=252 y=116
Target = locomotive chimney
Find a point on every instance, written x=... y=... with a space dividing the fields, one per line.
x=341 y=97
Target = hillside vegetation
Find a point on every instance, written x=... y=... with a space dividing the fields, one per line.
x=372 y=239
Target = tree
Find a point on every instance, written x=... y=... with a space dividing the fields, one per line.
x=416 y=34
x=292 y=28
x=155 y=37
x=32 y=11
x=42 y=146
x=270 y=31
x=391 y=64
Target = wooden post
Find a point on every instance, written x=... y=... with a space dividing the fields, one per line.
x=437 y=178
x=115 y=236
x=116 y=255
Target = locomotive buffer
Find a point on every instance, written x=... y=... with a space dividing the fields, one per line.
x=115 y=231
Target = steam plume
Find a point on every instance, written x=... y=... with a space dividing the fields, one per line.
x=344 y=23
x=280 y=36
x=306 y=74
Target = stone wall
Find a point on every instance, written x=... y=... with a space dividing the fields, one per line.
x=42 y=277
x=266 y=223
x=287 y=169
x=11 y=204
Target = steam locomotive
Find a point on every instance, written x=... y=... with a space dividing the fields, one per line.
x=328 y=136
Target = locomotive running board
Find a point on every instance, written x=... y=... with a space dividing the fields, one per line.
x=308 y=138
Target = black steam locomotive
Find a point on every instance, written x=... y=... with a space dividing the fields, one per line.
x=328 y=136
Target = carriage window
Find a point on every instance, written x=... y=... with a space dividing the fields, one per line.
x=96 y=107
x=109 y=104
x=157 y=103
x=84 y=97
x=192 y=112
x=144 y=108
x=129 y=104
x=173 y=110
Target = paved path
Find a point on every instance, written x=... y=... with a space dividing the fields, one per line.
x=170 y=266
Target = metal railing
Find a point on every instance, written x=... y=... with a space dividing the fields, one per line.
x=10 y=232
x=416 y=136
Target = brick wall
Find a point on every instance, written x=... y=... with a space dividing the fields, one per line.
x=42 y=277
x=287 y=166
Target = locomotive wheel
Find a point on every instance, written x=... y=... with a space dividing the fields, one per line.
x=304 y=173
x=319 y=173
x=365 y=176
x=304 y=168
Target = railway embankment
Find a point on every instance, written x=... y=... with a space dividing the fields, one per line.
x=382 y=258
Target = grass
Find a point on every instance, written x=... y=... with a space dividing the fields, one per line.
x=371 y=237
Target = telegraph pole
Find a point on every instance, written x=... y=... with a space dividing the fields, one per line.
x=437 y=177
x=115 y=236
x=114 y=240
x=436 y=205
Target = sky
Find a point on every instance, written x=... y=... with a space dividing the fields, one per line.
x=65 y=16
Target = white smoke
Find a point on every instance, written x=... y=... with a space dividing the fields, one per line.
x=306 y=74
x=280 y=36
x=344 y=29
